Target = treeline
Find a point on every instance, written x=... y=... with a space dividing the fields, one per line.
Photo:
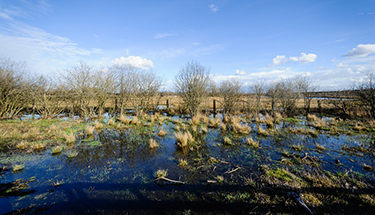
x=89 y=92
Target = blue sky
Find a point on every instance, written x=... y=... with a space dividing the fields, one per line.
x=331 y=42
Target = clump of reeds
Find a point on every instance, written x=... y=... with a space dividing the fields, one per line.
x=90 y=130
x=124 y=119
x=316 y=121
x=153 y=143
x=278 y=117
x=261 y=131
x=196 y=120
x=204 y=129
x=161 y=173
x=18 y=167
x=111 y=121
x=182 y=162
x=214 y=122
x=56 y=150
x=223 y=127
x=71 y=154
x=98 y=125
x=252 y=143
x=320 y=147
x=238 y=128
x=161 y=133
x=269 y=121
x=227 y=141
x=135 y=121
x=23 y=145
x=183 y=138
x=70 y=137
x=194 y=128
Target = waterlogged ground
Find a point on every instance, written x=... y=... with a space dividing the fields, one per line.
x=238 y=167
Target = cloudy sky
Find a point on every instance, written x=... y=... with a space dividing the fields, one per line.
x=331 y=41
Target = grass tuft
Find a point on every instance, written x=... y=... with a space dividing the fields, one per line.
x=153 y=143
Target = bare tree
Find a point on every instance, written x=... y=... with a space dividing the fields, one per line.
x=104 y=87
x=48 y=97
x=230 y=91
x=273 y=92
x=306 y=90
x=144 y=86
x=14 y=88
x=365 y=91
x=78 y=79
x=289 y=93
x=258 y=88
x=191 y=83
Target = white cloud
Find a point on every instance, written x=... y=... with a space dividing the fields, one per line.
x=213 y=8
x=279 y=59
x=240 y=72
x=361 y=50
x=163 y=35
x=135 y=61
x=304 y=58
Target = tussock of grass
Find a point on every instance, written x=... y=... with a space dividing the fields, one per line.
x=161 y=173
x=161 y=133
x=89 y=130
x=111 y=121
x=182 y=162
x=18 y=167
x=153 y=143
x=56 y=150
x=227 y=141
x=135 y=121
x=238 y=128
x=70 y=137
x=261 y=131
x=223 y=127
x=269 y=121
x=98 y=125
x=204 y=129
x=320 y=147
x=183 y=138
x=71 y=154
x=214 y=122
x=124 y=119
x=252 y=143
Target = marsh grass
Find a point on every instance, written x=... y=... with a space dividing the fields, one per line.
x=183 y=138
x=214 y=122
x=252 y=143
x=69 y=138
x=223 y=127
x=182 y=162
x=238 y=127
x=111 y=122
x=161 y=173
x=261 y=131
x=71 y=154
x=56 y=150
x=204 y=129
x=90 y=130
x=153 y=143
x=18 y=167
x=98 y=125
x=161 y=133
x=227 y=141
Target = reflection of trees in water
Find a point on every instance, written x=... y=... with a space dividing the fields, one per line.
x=131 y=146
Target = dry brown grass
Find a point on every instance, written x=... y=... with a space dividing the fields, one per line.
x=252 y=143
x=153 y=143
x=161 y=133
x=98 y=125
x=90 y=130
x=111 y=121
x=69 y=138
x=183 y=138
x=238 y=128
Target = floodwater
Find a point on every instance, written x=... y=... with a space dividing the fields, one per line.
x=114 y=171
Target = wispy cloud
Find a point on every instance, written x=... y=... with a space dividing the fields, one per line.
x=240 y=72
x=163 y=35
x=213 y=8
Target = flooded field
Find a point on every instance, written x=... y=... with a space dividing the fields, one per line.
x=204 y=165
